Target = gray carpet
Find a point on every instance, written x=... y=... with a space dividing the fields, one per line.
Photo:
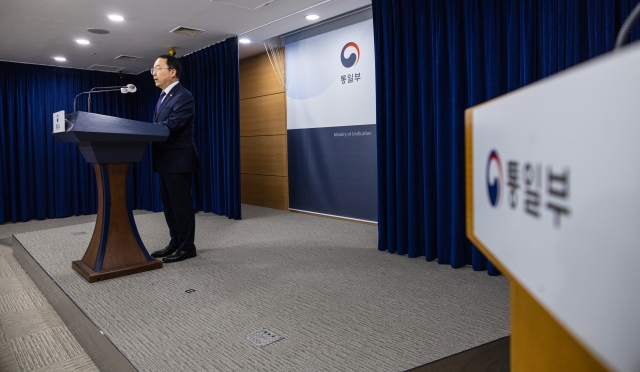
x=320 y=283
x=9 y=229
x=33 y=338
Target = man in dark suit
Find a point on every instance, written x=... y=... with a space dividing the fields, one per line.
x=175 y=159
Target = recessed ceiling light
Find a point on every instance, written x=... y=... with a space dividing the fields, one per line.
x=244 y=41
x=82 y=41
x=115 y=17
x=60 y=59
x=312 y=17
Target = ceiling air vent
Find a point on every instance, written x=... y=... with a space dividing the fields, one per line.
x=106 y=68
x=249 y=4
x=128 y=58
x=187 y=31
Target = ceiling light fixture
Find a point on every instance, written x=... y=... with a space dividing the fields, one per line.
x=244 y=41
x=312 y=17
x=60 y=59
x=115 y=17
x=82 y=41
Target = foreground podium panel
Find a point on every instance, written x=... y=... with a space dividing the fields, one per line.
x=112 y=145
x=540 y=343
x=553 y=200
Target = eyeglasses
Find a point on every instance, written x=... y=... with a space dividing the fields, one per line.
x=155 y=69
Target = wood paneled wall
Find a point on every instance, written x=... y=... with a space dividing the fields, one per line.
x=263 y=135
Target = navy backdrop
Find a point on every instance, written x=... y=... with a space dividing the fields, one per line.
x=331 y=174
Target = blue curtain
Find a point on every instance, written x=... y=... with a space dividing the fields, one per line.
x=44 y=178
x=40 y=177
x=213 y=77
x=436 y=58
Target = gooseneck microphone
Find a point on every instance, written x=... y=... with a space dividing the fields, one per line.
x=129 y=88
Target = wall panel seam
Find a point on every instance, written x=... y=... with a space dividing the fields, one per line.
x=264 y=95
x=265 y=175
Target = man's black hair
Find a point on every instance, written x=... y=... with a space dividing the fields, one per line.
x=172 y=63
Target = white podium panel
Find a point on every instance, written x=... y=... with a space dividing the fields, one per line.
x=555 y=172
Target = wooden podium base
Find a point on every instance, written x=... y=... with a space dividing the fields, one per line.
x=93 y=276
x=116 y=248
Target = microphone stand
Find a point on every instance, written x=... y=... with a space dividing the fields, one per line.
x=100 y=90
x=95 y=90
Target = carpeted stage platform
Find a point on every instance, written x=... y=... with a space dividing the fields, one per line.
x=339 y=303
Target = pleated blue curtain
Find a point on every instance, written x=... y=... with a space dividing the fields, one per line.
x=146 y=192
x=212 y=75
x=41 y=177
x=436 y=58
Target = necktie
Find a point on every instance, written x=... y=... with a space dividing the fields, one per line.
x=160 y=100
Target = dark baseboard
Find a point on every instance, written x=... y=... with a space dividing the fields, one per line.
x=491 y=357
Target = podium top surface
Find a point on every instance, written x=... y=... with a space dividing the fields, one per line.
x=89 y=127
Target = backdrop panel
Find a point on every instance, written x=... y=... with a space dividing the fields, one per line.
x=331 y=123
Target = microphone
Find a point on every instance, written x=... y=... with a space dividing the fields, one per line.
x=129 y=88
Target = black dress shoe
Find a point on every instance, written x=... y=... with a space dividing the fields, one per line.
x=164 y=252
x=179 y=256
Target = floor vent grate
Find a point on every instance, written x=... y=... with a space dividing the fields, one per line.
x=263 y=337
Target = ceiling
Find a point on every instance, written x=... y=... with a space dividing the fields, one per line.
x=35 y=31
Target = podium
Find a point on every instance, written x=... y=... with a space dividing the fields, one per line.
x=112 y=144
x=553 y=202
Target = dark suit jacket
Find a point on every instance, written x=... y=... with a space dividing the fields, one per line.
x=178 y=153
